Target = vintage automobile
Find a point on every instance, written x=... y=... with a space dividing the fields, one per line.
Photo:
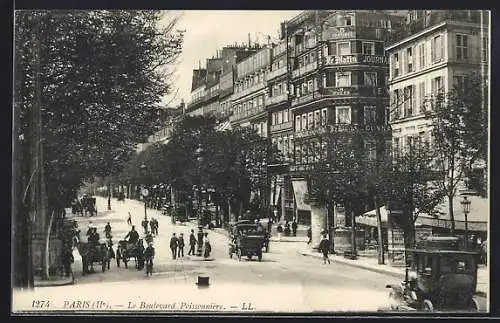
x=439 y=277
x=247 y=239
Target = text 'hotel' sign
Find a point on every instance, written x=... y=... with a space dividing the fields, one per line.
x=356 y=59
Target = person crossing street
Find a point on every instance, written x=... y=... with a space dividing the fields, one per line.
x=324 y=247
x=192 y=244
x=173 y=246
x=180 y=245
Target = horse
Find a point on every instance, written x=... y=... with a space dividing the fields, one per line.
x=128 y=250
x=91 y=254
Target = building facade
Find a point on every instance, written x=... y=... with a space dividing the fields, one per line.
x=339 y=75
x=441 y=55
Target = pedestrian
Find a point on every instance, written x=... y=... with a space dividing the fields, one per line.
x=279 y=229
x=192 y=244
x=294 y=228
x=67 y=259
x=173 y=246
x=145 y=223
x=269 y=225
x=107 y=230
x=129 y=219
x=309 y=235
x=207 y=246
x=149 y=254
x=324 y=247
x=180 y=245
x=199 y=250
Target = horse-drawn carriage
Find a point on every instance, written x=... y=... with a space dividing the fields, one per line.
x=439 y=277
x=89 y=205
x=247 y=239
x=127 y=250
x=100 y=253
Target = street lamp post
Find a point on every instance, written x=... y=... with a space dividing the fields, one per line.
x=466 y=205
x=145 y=194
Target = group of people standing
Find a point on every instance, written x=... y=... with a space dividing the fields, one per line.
x=177 y=244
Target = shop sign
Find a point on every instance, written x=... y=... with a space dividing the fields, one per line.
x=357 y=59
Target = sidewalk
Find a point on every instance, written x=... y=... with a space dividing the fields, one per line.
x=54 y=281
x=371 y=264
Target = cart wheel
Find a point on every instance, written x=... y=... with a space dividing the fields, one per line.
x=427 y=306
x=474 y=306
x=249 y=256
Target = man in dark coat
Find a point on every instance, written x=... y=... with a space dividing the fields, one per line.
x=324 y=247
x=67 y=259
x=294 y=228
x=145 y=223
x=132 y=236
x=173 y=246
x=107 y=230
x=149 y=254
x=192 y=244
x=180 y=244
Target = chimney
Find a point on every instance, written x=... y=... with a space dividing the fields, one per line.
x=249 y=40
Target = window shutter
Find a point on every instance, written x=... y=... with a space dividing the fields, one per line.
x=379 y=48
x=354 y=47
x=354 y=114
x=333 y=48
x=354 y=77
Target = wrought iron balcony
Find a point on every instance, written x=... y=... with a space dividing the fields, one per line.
x=273 y=74
x=277 y=99
x=305 y=69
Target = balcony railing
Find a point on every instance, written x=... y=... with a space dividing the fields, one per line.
x=305 y=69
x=282 y=126
x=277 y=99
x=355 y=59
x=249 y=90
x=351 y=91
x=247 y=113
x=276 y=73
x=345 y=127
x=306 y=98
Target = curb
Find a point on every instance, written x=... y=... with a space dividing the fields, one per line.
x=53 y=283
x=377 y=270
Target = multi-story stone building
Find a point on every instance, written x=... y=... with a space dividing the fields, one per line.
x=248 y=99
x=338 y=78
x=440 y=49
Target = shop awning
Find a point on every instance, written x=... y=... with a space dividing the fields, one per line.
x=370 y=218
x=477 y=219
x=300 y=191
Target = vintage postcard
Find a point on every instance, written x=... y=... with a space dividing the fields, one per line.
x=251 y=162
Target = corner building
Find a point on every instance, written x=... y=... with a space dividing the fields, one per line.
x=338 y=77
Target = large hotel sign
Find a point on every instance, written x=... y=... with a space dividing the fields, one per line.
x=334 y=33
x=357 y=59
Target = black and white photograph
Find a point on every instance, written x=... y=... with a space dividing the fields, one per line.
x=250 y=162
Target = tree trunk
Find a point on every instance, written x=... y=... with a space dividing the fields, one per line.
x=354 y=248
x=380 y=239
x=452 y=216
x=46 y=263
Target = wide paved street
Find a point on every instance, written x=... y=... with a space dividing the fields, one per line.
x=284 y=281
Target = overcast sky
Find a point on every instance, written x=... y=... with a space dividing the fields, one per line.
x=210 y=30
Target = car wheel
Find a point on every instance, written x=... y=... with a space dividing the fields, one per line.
x=427 y=306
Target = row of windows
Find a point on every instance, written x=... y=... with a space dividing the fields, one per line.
x=415 y=58
x=284 y=144
x=247 y=105
x=307 y=86
x=257 y=78
x=343 y=115
x=279 y=89
x=280 y=117
x=255 y=62
x=402 y=144
x=278 y=64
x=306 y=59
x=261 y=128
x=346 y=79
x=354 y=47
x=411 y=100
